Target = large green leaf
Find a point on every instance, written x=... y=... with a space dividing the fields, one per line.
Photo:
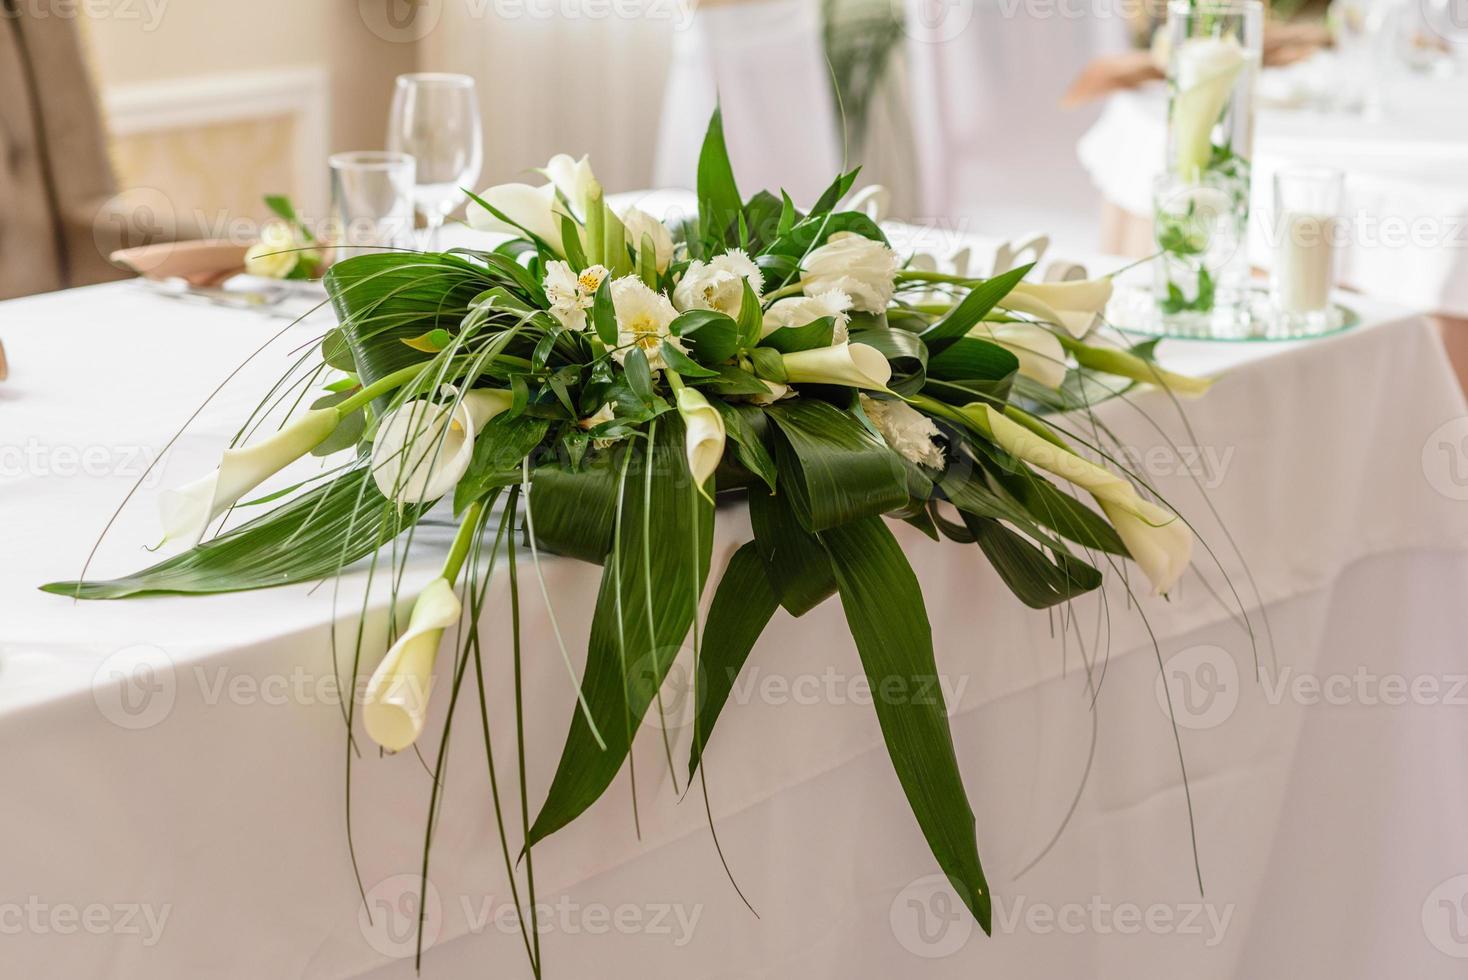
x=312 y=536
x=833 y=469
x=574 y=507
x=719 y=203
x=741 y=609
x=884 y=608
x=795 y=563
x=962 y=318
x=657 y=576
x=1036 y=579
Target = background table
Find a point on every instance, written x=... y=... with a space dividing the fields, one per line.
x=173 y=782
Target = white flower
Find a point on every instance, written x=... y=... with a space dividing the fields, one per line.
x=1074 y=305
x=642 y=320
x=777 y=391
x=1157 y=539
x=860 y=267
x=705 y=435
x=275 y=255
x=908 y=431
x=396 y=701
x=423 y=448
x=571 y=295
x=639 y=225
x=1205 y=71
x=719 y=283
x=852 y=365
x=1040 y=355
x=574 y=179
x=532 y=209
x=603 y=414
x=797 y=311
x=190 y=509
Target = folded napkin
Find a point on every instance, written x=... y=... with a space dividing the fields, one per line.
x=206 y=262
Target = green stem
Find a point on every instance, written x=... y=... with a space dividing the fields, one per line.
x=462 y=540
x=923 y=275
x=792 y=289
x=381 y=386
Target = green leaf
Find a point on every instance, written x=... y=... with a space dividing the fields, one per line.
x=347 y=432
x=768 y=364
x=683 y=364
x=310 y=537
x=431 y=342
x=745 y=424
x=751 y=318
x=884 y=608
x=795 y=563
x=718 y=196
x=571 y=242
x=604 y=313
x=574 y=507
x=733 y=381
x=741 y=609
x=973 y=308
x=282 y=206
x=1036 y=579
x=639 y=374
x=504 y=441
x=904 y=351
x=336 y=352
x=833 y=469
x=813 y=335
x=713 y=335
x=833 y=194
x=657 y=578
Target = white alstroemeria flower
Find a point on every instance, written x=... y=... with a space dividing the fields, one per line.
x=639 y=225
x=574 y=179
x=396 y=701
x=423 y=448
x=571 y=295
x=1205 y=72
x=1040 y=355
x=906 y=430
x=532 y=209
x=719 y=283
x=1163 y=541
x=852 y=365
x=603 y=414
x=275 y=255
x=797 y=311
x=643 y=316
x=861 y=268
x=190 y=509
x=1073 y=305
x=705 y=433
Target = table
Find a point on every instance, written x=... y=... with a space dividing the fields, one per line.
x=1406 y=181
x=173 y=793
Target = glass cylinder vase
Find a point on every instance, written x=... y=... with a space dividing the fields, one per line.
x=1201 y=208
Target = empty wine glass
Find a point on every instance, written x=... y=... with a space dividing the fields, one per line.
x=435 y=119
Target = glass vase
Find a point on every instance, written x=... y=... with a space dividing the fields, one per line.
x=1201 y=202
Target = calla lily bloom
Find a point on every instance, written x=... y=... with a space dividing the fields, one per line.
x=1207 y=68
x=1128 y=365
x=1073 y=305
x=1157 y=539
x=853 y=365
x=574 y=179
x=423 y=448
x=531 y=209
x=1041 y=357
x=705 y=434
x=190 y=509
x=396 y=702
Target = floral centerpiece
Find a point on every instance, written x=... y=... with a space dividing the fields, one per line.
x=602 y=377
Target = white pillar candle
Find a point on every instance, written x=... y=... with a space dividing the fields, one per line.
x=1304 y=262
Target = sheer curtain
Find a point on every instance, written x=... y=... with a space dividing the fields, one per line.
x=562 y=76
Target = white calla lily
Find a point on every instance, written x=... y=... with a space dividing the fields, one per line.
x=705 y=433
x=853 y=365
x=396 y=701
x=574 y=179
x=1163 y=542
x=1073 y=305
x=639 y=225
x=527 y=208
x=1205 y=71
x=190 y=509
x=1041 y=356
x=423 y=448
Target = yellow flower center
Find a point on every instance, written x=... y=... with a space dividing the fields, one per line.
x=645 y=332
x=589 y=281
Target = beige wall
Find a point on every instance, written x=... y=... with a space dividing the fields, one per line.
x=229 y=164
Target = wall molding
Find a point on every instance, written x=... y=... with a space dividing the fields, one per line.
x=301 y=93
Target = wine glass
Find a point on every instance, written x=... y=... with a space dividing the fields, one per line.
x=435 y=119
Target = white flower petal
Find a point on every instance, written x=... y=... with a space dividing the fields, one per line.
x=853 y=365
x=396 y=702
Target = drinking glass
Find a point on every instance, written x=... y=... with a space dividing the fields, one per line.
x=372 y=200
x=1307 y=203
x=435 y=119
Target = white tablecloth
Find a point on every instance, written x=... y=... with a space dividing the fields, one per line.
x=1406 y=200
x=172 y=799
